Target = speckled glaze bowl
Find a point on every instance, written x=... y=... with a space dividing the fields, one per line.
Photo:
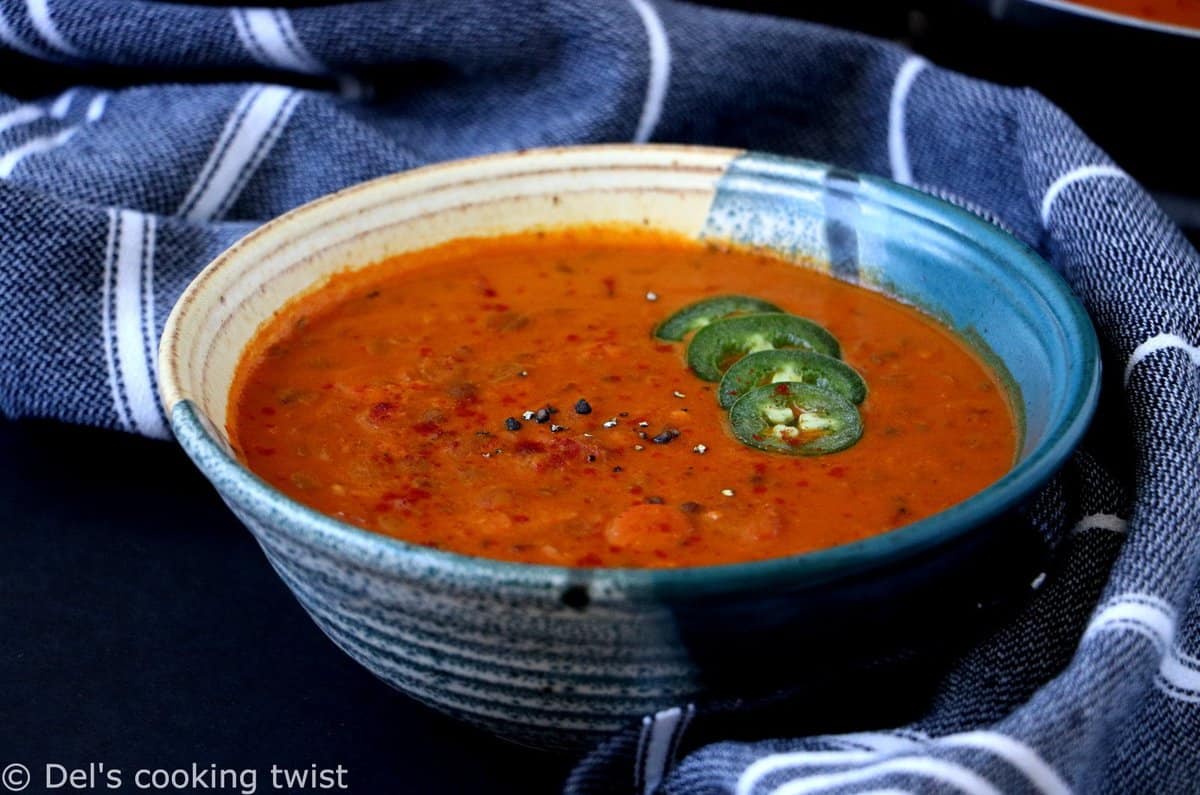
x=556 y=657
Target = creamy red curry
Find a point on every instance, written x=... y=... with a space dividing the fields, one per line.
x=507 y=398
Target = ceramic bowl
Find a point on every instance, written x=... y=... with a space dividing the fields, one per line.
x=557 y=657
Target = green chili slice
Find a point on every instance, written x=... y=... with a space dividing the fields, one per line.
x=795 y=419
x=805 y=367
x=700 y=314
x=721 y=343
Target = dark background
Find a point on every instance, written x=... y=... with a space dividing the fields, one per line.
x=141 y=626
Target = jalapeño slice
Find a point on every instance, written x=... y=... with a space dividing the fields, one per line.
x=700 y=314
x=805 y=367
x=721 y=343
x=795 y=419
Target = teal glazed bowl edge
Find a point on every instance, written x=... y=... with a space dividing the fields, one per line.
x=559 y=657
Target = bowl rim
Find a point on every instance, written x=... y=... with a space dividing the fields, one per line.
x=239 y=486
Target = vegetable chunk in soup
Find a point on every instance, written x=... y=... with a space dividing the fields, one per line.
x=508 y=398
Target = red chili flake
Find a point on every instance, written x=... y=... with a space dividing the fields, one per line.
x=265 y=450
x=563 y=451
x=760 y=489
x=610 y=285
x=636 y=489
x=590 y=559
x=382 y=411
x=664 y=348
x=530 y=446
x=781 y=389
x=428 y=428
x=425 y=351
x=572 y=338
x=837 y=472
x=488 y=292
x=520 y=518
x=268 y=411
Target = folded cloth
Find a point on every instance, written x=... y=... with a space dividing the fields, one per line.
x=176 y=129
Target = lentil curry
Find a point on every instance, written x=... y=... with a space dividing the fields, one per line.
x=508 y=398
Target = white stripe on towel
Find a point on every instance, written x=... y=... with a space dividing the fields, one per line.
x=660 y=744
x=268 y=35
x=1178 y=677
x=43 y=23
x=1073 y=176
x=1153 y=618
x=271 y=39
x=938 y=770
x=1016 y=753
x=11 y=159
x=1160 y=342
x=251 y=130
x=897 y=140
x=1145 y=614
x=60 y=107
x=1101 y=521
x=107 y=323
x=1024 y=758
x=879 y=742
x=10 y=37
x=96 y=107
x=134 y=352
x=660 y=70
x=764 y=766
x=22 y=114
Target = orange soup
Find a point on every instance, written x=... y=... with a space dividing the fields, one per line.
x=507 y=398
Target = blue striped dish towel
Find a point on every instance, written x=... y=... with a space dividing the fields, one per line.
x=173 y=130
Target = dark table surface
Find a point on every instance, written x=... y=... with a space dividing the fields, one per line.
x=141 y=626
